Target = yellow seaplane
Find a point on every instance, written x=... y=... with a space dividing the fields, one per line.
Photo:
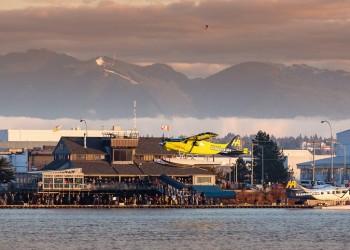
x=199 y=144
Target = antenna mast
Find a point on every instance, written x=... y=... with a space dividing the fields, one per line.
x=135 y=115
x=135 y=129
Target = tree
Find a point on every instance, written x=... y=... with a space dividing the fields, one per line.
x=6 y=172
x=242 y=170
x=266 y=151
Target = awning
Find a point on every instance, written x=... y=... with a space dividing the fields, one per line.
x=168 y=180
x=214 y=191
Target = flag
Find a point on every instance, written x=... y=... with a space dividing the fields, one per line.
x=165 y=127
x=57 y=128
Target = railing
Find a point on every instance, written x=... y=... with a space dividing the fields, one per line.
x=117 y=186
x=61 y=186
x=49 y=187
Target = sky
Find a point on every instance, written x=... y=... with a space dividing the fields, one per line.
x=313 y=32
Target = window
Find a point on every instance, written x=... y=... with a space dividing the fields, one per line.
x=61 y=146
x=203 y=180
x=122 y=155
x=62 y=157
x=80 y=157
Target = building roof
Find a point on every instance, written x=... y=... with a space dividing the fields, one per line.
x=214 y=191
x=55 y=165
x=94 y=145
x=127 y=169
x=94 y=167
x=297 y=152
x=150 y=146
x=338 y=162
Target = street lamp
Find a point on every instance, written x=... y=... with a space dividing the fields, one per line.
x=325 y=121
x=85 y=134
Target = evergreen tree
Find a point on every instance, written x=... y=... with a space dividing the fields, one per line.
x=242 y=170
x=6 y=172
x=266 y=152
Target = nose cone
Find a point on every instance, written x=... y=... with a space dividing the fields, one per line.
x=162 y=143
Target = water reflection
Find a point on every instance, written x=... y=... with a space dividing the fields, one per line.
x=174 y=229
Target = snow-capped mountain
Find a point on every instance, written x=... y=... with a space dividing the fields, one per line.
x=45 y=84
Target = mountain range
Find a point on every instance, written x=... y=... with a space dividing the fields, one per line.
x=45 y=84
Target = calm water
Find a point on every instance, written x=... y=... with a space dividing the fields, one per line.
x=174 y=229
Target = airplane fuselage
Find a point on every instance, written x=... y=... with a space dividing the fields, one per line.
x=199 y=144
x=325 y=194
x=197 y=147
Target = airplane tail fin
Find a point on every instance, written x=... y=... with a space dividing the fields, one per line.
x=237 y=146
x=292 y=184
x=235 y=143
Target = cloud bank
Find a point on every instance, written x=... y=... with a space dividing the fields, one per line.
x=190 y=126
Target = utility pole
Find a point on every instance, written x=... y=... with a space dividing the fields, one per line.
x=252 y=166
x=236 y=175
x=262 y=165
x=313 y=162
x=330 y=127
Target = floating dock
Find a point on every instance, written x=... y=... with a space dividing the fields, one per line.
x=339 y=207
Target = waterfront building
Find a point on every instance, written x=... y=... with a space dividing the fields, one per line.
x=120 y=159
x=29 y=150
x=104 y=162
x=121 y=164
x=341 y=168
x=320 y=147
x=294 y=157
x=22 y=160
x=18 y=159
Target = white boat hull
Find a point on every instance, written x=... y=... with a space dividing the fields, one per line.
x=339 y=207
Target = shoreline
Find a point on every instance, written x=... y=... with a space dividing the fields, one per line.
x=150 y=206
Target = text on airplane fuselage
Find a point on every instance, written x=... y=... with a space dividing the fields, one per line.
x=221 y=149
x=307 y=194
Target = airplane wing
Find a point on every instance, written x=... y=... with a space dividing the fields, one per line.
x=201 y=136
